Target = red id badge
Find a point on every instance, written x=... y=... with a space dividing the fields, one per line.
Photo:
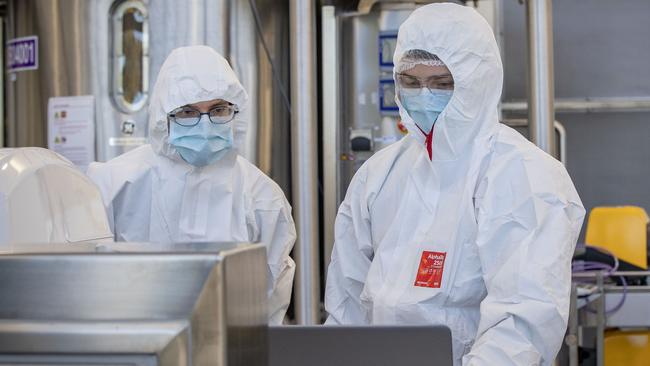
x=430 y=270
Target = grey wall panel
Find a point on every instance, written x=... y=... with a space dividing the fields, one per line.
x=609 y=157
x=602 y=49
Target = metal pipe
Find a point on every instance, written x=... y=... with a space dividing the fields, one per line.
x=561 y=131
x=571 y=339
x=617 y=104
x=304 y=162
x=330 y=140
x=557 y=125
x=600 y=315
x=2 y=88
x=595 y=274
x=540 y=73
x=243 y=57
x=628 y=290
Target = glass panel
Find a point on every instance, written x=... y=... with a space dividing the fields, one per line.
x=132 y=26
x=130 y=55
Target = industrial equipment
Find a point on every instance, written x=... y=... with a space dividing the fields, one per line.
x=107 y=53
x=135 y=304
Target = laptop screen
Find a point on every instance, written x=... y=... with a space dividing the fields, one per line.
x=359 y=345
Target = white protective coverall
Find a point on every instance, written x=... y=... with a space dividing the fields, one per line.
x=152 y=195
x=479 y=238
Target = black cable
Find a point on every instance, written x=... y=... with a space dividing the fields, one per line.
x=258 y=28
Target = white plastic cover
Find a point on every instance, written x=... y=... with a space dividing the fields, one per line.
x=44 y=198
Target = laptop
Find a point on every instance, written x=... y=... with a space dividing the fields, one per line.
x=359 y=345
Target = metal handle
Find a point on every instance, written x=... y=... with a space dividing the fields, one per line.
x=557 y=125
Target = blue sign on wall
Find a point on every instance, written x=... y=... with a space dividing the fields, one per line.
x=387 y=96
x=387 y=43
x=22 y=54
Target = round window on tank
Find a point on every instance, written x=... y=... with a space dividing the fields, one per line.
x=130 y=55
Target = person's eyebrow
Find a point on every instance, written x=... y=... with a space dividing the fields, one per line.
x=221 y=103
x=440 y=76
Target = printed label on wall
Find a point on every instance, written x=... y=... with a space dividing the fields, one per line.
x=22 y=54
x=127 y=141
x=71 y=128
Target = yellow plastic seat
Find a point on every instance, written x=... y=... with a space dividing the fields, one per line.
x=621 y=230
x=627 y=348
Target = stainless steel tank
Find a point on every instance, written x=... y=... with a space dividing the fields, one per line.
x=109 y=49
x=365 y=117
x=113 y=49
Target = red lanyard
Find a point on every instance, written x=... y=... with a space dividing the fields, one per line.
x=428 y=141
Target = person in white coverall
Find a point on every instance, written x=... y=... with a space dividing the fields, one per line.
x=463 y=222
x=189 y=184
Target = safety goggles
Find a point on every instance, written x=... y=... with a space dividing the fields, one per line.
x=442 y=82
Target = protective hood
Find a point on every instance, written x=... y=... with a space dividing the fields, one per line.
x=190 y=75
x=464 y=41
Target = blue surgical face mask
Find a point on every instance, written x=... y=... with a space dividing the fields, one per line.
x=424 y=105
x=202 y=144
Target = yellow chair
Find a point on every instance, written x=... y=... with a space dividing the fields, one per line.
x=627 y=348
x=621 y=230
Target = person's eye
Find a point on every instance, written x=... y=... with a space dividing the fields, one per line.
x=186 y=113
x=220 y=111
x=441 y=84
x=409 y=81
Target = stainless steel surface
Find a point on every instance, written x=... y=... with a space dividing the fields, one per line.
x=267 y=138
x=27 y=91
x=616 y=273
x=331 y=124
x=565 y=105
x=353 y=39
x=571 y=339
x=197 y=304
x=304 y=161
x=360 y=75
x=2 y=88
x=601 y=318
x=635 y=312
x=243 y=59
x=540 y=73
x=561 y=131
x=365 y=6
x=610 y=289
x=272 y=154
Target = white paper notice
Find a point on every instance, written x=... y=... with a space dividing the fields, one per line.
x=71 y=128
